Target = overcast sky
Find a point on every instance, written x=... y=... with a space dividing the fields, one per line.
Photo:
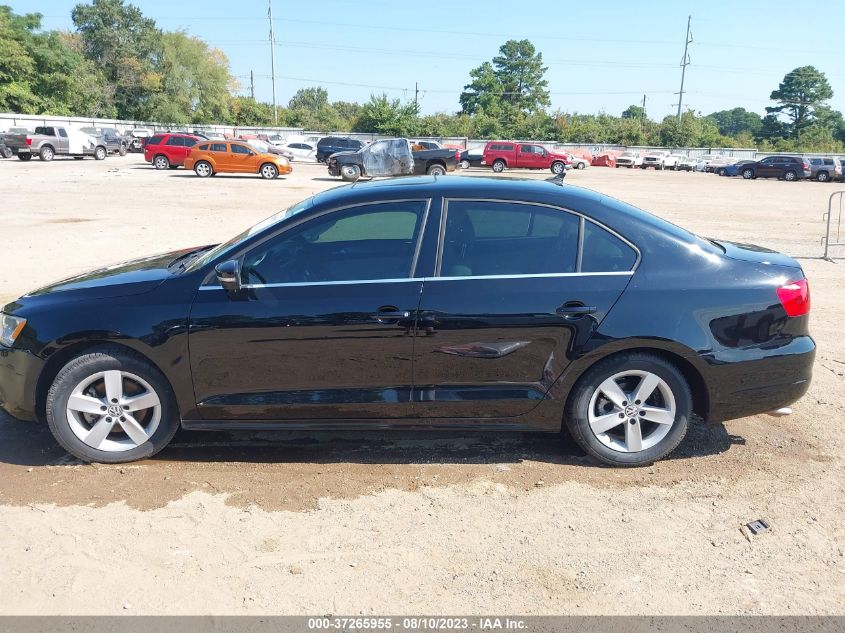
x=601 y=56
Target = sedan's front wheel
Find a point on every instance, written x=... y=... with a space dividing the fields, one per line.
x=110 y=405
x=630 y=410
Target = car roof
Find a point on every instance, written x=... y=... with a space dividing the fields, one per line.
x=628 y=220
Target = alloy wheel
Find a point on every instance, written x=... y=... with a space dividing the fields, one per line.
x=113 y=411
x=632 y=411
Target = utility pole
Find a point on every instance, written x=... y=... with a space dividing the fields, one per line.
x=684 y=64
x=273 y=62
x=416 y=94
x=642 y=116
x=252 y=85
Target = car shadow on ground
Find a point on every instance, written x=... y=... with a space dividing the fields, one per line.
x=31 y=444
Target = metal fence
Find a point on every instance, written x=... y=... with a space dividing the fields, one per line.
x=833 y=231
x=9 y=119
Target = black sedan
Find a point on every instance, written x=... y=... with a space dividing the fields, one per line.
x=465 y=303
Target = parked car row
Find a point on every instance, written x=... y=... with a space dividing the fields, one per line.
x=212 y=156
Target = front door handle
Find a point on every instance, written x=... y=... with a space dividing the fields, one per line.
x=575 y=310
x=390 y=315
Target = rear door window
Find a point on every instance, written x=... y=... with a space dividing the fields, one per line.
x=485 y=238
x=218 y=147
x=175 y=141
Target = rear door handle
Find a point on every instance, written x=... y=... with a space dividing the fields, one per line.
x=575 y=310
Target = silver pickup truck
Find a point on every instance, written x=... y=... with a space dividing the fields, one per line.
x=50 y=141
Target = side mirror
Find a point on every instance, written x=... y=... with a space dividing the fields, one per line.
x=229 y=276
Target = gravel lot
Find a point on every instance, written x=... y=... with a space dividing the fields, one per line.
x=407 y=523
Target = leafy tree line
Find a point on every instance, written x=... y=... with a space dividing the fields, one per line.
x=117 y=63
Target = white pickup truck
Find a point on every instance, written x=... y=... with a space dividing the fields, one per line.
x=629 y=160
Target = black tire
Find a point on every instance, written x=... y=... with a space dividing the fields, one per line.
x=720 y=171
x=101 y=359
x=100 y=153
x=160 y=161
x=748 y=174
x=617 y=166
x=464 y=164
x=557 y=167
x=790 y=176
x=436 y=170
x=268 y=171
x=498 y=166
x=203 y=169
x=47 y=153
x=122 y=151
x=25 y=156
x=578 y=404
x=581 y=166
x=7 y=153
x=350 y=173
x=822 y=176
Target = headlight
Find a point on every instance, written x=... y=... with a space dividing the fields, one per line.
x=10 y=328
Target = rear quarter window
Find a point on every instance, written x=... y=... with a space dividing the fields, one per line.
x=604 y=252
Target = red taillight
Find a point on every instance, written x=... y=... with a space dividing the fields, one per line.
x=795 y=297
x=28 y=141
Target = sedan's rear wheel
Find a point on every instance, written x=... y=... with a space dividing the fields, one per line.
x=630 y=410
x=748 y=174
x=111 y=405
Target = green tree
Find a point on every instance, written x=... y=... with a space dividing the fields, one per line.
x=246 y=111
x=800 y=93
x=513 y=81
x=634 y=112
x=381 y=115
x=195 y=82
x=736 y=121
x=17 y=68
x=311 y=99
x=127 y=47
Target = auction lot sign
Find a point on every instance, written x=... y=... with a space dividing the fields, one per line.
x=297 y=624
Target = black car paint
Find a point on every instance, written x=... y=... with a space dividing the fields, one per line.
x=312 y=357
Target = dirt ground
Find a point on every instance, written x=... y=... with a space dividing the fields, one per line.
x=401 y=523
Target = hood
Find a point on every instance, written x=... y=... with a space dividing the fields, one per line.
x=343 y=154
x=758 y=254
x=128 y=278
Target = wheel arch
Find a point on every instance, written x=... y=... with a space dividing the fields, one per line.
x=61 y=357
x=691 y=373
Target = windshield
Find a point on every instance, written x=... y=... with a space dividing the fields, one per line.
x=218 y=250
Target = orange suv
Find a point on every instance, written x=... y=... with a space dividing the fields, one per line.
x=233 y=157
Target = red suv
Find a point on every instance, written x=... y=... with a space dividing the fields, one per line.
x=168 y=150
x=502 y=154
